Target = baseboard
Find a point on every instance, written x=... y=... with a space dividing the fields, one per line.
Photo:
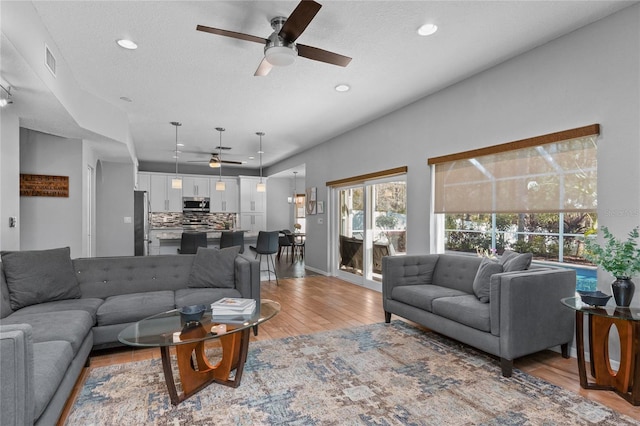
x=573 y=353
x=317 y=271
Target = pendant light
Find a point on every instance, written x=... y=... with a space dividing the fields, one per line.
x=220 y=185
x=294 y=198
x=176 y=182
x=261 y=186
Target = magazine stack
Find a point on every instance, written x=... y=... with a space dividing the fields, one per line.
x=233 y=306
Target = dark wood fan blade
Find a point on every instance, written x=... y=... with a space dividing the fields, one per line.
x=263 y=69
x=230 y=162
x=299 y=19
x=322 y=55
x=231 y=34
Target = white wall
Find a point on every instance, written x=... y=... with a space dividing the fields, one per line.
x=279 y=211
x=588 y=76
x=50 y=222
x=9 y=179
x=114 y=203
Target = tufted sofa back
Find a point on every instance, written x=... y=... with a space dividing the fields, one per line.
x=455 y=271
x=102 y=277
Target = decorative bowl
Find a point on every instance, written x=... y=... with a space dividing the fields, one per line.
x=595 y=298
x=192 y=312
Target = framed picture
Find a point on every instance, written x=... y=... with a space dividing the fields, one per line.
x=311 y=200
x=320 y=205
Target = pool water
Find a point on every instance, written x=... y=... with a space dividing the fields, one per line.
x=586 y=279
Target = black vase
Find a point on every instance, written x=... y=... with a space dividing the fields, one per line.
x=622 y=289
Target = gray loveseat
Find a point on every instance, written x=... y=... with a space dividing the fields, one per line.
x=45 y=345
x=507 y=314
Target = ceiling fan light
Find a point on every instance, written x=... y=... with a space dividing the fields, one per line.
x=280 y=56
x=220 y=186
x=214 y=164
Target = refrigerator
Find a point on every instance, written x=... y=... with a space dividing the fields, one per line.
x=141 y=223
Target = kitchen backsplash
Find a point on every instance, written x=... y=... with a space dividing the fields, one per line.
x=177 y=220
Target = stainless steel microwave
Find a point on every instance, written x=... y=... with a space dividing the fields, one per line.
x=195 y=204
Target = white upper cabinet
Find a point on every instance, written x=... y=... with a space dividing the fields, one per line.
x=227 y=200
x=195 y=186
x=144 y=182
x=163 y=197
x=250 y=199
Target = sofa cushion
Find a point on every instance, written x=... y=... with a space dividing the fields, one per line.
x=467 y=310
x=50 y=363
x=89 y=305
x=455 y=271
x=134 y=307
x=213 y=268
x=206 y=296
x=70 y=326
x=39 y=276
x=422 y=296
x=482 y=281
x=506 y=255
x=519 y=262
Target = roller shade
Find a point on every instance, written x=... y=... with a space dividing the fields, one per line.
x=552 y=177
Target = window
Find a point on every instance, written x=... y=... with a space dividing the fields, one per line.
x=537 y=195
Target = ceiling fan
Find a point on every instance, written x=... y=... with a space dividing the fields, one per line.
x=280 y=48
x=216 y=160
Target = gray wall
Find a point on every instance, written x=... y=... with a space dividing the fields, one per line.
x=49 y=222
x=9 y=179
x=588 y=76
x=114 y=204
x=279 y=211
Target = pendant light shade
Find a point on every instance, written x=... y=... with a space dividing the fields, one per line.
x=220 y=186
x=261 y=186
x=176 y=182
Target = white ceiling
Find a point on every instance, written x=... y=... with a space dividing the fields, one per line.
x=206 y=81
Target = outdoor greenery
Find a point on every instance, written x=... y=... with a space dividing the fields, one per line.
x=620 y=258
x=538 y=233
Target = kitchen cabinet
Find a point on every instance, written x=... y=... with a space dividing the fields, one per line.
x=164 y=198
x=250 y=199
x=253 y=222
x=144 y=182
x=195 y=186
x=224 y=201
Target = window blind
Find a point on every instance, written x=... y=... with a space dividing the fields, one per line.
x=533 y=175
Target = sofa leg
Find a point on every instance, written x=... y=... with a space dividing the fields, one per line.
x=507 y=367
x=565 y=350
x=87 y=363
x=387 y=317
x=255 y=330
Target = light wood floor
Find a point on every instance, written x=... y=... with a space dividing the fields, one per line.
x=318 y=303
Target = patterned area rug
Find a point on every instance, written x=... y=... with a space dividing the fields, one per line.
x=381 y=374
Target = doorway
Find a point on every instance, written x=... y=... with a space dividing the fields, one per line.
x=370 y=223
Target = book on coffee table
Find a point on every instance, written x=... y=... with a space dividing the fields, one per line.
x=233 y=306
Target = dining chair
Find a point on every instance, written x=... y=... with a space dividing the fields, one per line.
x=190 y=241
x=267 y=245
x=231 y=239
x=285 y=243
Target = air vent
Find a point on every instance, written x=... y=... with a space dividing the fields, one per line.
x=49 y=60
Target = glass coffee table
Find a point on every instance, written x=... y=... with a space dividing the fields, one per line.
x=196 y=372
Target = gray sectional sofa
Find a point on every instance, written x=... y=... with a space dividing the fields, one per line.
x=500 y=307
x=54 y=311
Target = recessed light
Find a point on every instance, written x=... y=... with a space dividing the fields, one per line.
x=180 y=144
x=252 y=158
x=427 y=29
x=342 y=88
x=127 y=44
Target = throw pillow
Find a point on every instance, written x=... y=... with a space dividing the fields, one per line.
x=506 y=255
x=214 y=268
x=482 y=281
x=519 y=262
x=39 y=276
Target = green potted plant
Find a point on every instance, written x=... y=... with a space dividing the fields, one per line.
x=620 y=258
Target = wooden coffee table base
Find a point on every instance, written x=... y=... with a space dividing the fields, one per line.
x=199 y=373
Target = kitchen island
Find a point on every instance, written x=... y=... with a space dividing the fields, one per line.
x=168 y=240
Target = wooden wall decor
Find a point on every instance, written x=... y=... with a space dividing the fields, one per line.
x=44 y=186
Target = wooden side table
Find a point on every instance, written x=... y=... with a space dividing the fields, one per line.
x=626 y=381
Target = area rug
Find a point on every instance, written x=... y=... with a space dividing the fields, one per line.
x=381 y=374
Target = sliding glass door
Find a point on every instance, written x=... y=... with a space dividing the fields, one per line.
x=371 y=224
